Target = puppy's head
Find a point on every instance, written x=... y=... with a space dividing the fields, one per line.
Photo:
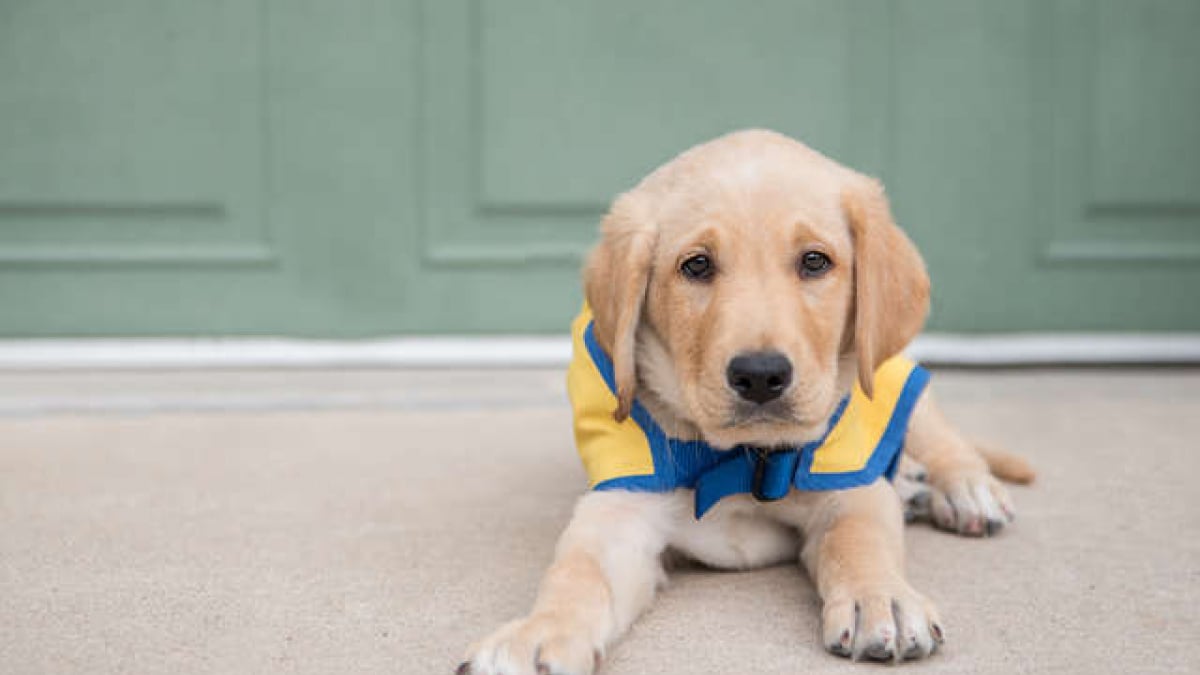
x=747 y=282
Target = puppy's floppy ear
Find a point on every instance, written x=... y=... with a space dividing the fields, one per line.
x=891 y=287
x=614 y=282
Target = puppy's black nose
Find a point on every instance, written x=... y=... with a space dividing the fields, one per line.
x=759 y=376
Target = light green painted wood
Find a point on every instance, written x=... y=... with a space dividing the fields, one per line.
x=378 y=167
x=1007 y=175
x=173 y=167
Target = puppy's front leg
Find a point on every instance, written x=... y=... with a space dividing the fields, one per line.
x=605 y=572
x=854 y=552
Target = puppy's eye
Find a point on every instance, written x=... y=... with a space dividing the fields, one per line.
x=699 y=267
x=814 y=264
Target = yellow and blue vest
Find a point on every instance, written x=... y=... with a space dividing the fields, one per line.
x=862 y=442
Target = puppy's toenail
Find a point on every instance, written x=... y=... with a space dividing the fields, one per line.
x=937 y=633
x=464 y=668
x=842 y=646
x=880 y=651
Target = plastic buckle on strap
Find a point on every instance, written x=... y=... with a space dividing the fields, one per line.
x=760 y=473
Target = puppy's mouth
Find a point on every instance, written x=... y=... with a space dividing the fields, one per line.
x=744 y=415
x=774 y=418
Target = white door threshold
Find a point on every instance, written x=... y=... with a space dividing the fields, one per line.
x=547 y=351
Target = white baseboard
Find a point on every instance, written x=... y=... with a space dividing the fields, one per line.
x=1020 y=349
x=432 y=352
x=549 y=351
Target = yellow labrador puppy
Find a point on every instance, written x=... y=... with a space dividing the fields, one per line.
x=739 y=398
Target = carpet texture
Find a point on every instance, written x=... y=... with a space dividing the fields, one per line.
x=410 y=513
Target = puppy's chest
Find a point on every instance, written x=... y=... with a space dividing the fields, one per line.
x=741 y=533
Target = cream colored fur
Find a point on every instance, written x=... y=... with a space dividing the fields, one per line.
x=753 y=200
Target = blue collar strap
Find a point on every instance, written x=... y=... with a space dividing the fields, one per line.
x=766 y=475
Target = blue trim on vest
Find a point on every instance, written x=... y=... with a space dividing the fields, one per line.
x=886 y=457
x=715 y=474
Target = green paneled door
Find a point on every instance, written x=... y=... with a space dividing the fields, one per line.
x=371 y=167
x=218 y=167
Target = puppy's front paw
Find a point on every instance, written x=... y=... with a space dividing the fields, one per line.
x=968 y=501
x=536 y=645
x=881 y=624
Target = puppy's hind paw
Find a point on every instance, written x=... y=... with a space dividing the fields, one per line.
x=914 y=491
x=971 y=503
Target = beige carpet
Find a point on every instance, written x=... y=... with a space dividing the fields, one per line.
x=388 y=519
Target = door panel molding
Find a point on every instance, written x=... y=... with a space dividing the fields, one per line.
x=1117 y=150
x=475 y=210
x=88 y=177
